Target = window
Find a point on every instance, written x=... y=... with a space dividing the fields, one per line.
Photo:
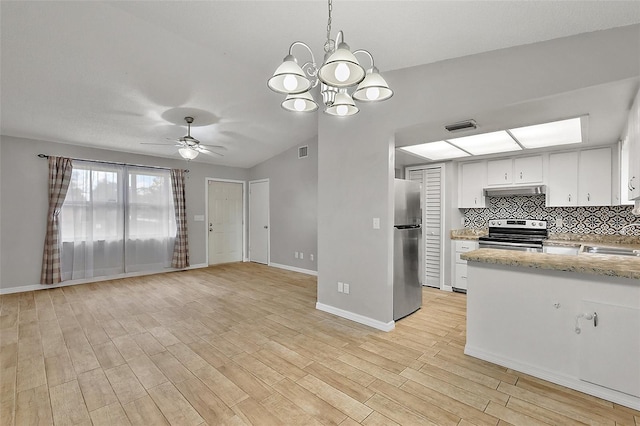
x=116 y=219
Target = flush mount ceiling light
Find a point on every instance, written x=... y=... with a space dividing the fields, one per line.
x=562 y=132
x=554 y=133
x=440 y=150
x=486 y=143
x=339 y=71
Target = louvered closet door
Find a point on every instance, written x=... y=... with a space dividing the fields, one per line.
x=431 y=179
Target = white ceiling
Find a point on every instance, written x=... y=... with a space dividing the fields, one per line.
x=116 y=74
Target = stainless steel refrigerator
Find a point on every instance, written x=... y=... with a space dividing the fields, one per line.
x=407 y=238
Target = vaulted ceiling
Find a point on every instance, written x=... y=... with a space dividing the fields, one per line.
x=115 y=75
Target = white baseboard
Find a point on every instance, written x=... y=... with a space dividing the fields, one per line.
x=294 y=269
x=35 y=287
x=559 y=379
x=388 y=326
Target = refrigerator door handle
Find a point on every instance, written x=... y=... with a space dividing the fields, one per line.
x=407 y=226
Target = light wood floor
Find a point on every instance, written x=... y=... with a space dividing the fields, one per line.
x=243 y=344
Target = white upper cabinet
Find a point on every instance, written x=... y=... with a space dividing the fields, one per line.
x=514 y=171
x=633 y=141
x=527 y=169
x=562 y=181
x=500 y=172
x=579 y=178
x=473 y=178
x=594 y=177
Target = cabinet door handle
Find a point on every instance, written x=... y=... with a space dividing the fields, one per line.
x=505 y=176
x=569 y=197
x=631 y=187
x=520 y=175
x=588 y=197
x=595 y=319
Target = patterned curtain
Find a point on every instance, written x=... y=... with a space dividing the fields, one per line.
x=60 y=169
x=181 y=247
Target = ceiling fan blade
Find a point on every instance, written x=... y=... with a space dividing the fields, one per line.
x=220 y=147
x=212 y=153
x=154 y=143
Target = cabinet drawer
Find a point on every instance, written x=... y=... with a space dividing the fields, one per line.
x=464 y=246
x=460 y=280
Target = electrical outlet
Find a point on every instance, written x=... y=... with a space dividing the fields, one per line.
x=295 y=254
x=301 y=255
x=311 y=257
x=340 y=287
x=376 y=223
x=558 y=222
x=345 y=288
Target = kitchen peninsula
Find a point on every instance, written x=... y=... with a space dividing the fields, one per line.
x=570 y=319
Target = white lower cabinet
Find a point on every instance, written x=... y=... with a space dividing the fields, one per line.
x=610 y=339
x=460 y=266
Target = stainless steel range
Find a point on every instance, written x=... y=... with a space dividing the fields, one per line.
x=515 y=234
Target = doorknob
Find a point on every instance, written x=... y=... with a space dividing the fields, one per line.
x=211 y=227
x=266 y=227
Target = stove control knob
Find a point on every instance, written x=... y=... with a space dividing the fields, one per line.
x=533 y=223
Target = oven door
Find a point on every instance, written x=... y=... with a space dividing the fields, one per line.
x=508 y=245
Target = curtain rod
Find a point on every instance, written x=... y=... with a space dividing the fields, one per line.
x=117 y=164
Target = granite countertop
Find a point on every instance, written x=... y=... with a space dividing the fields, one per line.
x=468 y=233
x=586 y=263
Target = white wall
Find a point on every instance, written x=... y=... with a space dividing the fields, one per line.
x=23 y=179
x=293 y=205
x=356 y=160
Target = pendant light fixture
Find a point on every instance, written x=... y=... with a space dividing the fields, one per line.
x=339 y=72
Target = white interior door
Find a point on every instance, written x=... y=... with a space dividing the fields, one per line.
x=259 y=221
x=225 y=222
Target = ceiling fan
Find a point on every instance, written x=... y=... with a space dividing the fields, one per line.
x=190 y=147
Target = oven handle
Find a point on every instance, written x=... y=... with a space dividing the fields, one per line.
x=489 y=244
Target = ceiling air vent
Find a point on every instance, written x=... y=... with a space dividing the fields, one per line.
x=303 y=151
x=461 y=126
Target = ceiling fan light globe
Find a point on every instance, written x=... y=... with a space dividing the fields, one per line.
x=188 y=153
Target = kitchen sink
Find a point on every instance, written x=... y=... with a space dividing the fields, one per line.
x=611 y=250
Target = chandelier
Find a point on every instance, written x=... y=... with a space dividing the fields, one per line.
x=339 y=72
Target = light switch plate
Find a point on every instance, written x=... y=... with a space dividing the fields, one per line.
x=376 y=223
x=198 y=218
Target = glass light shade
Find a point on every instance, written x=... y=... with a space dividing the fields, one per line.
x=373 y=88
x=343 y=105
x=486 y=143
x=301 y=102
x=188 y=153
x=289 y=78
x=440 y=150
x=549 y=134
x=341 y=69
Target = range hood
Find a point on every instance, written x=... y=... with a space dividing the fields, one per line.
x=507 y=191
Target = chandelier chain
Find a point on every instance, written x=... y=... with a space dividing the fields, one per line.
x=329 y=20
x=329 y=44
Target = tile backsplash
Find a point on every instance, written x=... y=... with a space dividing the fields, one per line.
x=583 y=220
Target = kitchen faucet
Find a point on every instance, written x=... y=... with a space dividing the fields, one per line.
x=628 y=226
